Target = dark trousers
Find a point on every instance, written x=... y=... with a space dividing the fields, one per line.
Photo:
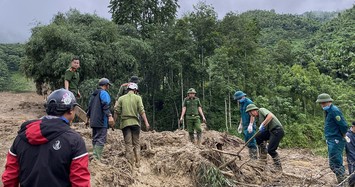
x=351 y=167
x=99 y=136
x=274 y=136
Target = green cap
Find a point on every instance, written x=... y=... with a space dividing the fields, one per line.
x=322 y=98
x=251 y=107
x=191 y=90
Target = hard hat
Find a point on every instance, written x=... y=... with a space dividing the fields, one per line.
x=132 y=86
x=238 y=95
x=60 y=101
x=104 y=81
x=322 y=98
x=191 y=90
x=251 y=107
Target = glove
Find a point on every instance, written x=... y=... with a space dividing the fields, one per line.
x=250 y=128
x=240 y=128
x=262 y=128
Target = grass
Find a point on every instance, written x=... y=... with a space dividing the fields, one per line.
x=19 y=83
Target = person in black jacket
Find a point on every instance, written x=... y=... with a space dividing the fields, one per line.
x=350 y=153
x=100 y=116
x=46 y=151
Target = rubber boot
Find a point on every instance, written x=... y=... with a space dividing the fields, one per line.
x=277 y=163
x=192 y=137
x=137 y=156
x=263 y=154
x=199 y=137
x=129 y=156
x=94 y=151
x=98 y=151
x=253 y=153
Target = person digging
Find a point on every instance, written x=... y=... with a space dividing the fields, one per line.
x=270 y=129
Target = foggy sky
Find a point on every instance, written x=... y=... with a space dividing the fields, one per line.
x=17 y=17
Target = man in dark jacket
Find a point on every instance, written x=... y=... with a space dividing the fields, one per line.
x=47 y=152
x=247 y=123
x=100 y=116
x=350 y=153
x=335 y=128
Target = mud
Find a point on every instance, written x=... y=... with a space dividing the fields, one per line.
x=169 y=159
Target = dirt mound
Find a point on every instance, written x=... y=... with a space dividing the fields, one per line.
x=169 y=159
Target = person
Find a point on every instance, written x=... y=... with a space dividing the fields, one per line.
x=47 y=151
x=270 y=129
x=128 y=108
x=246 y=125
x=123 y=88
x=335 y=128
x=192 y=107
x=99 y=116
x=350 y=153
x=72 y=77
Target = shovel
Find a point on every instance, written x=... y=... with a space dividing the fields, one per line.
x=237 y=154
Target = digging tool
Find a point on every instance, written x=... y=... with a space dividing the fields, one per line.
x=237 y=154
x=82 y=115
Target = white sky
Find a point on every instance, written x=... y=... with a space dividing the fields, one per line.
x=17 y=17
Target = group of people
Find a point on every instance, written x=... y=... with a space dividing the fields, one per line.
x=270 y=133
x=47 y=149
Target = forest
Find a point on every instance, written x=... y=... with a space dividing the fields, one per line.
x=282 y=61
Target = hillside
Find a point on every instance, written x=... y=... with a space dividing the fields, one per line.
x=168 y=159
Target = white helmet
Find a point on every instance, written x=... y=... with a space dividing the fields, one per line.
x=132 y=86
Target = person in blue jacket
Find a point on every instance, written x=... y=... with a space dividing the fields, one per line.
x=350 y=153
x=335 y=128
x=99 y=116
x=246 y=125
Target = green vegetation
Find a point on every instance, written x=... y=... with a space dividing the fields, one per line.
x=281 y=61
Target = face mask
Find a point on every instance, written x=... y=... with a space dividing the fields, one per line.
x=242 y=100
x=326 y=107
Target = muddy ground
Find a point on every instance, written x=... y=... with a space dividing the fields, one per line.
x=169 y=159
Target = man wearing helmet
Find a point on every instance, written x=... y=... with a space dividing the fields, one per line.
x=128 y=107
x=47 y=151
x=72 y=78
x=99 y=116
x=270 y=129
x=335 y=128
x=192 y=107
x=246 y=125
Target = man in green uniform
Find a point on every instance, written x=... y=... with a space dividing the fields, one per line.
x=71 y=78
x=128 y=108
x=270 y=129
x=192 y=107
x=335 y=128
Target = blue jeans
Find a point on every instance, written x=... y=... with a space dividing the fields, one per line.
x=335 y=154
x=247 y=136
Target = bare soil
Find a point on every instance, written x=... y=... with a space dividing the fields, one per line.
x=168 y=158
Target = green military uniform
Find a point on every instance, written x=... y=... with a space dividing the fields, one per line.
x=130 y=107
x=192 y=116
x=72 y=76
